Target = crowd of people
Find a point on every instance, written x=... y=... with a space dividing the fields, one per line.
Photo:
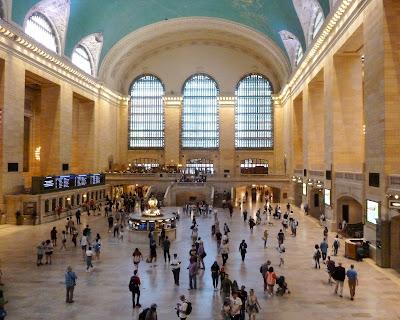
x=236 y=300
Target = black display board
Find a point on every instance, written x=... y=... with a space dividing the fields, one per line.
x=66 y=182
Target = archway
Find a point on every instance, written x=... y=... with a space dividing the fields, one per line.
x=350 y=210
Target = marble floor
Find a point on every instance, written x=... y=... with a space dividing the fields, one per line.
x=38 y=292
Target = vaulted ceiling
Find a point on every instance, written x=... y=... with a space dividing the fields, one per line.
x=116 y=19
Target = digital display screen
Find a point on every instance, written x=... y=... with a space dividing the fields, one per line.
x=65 y=182
x=143 y=226
x=372 y=211
x=327 y=197
x=304 y=189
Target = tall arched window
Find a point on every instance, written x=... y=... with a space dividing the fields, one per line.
x=200 y=113
x=39 y=28
x=299 y=54
x=81 y=58
x=318 y=22
x=146 y=113
x=254 y=113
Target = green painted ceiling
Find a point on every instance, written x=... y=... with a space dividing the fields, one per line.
x=117 y=18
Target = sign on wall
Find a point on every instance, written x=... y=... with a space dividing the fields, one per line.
x=66 y=182
x=304 y=189
x=372 y=211
x=327 y=197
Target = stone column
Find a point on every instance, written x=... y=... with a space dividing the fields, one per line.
x=13 y=127
x=227 y=136
x=173 y=107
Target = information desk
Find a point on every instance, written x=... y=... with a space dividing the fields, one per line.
x=354 y=245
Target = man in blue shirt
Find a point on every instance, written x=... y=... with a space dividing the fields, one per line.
x=70 y=282
x=353 y=281
x=324 y=249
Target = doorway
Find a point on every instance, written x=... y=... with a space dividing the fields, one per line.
x=345 y=212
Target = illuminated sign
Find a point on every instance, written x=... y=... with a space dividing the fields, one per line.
x=327 y=197
x=394 y=204
x=372 y=211
x=66 y=182
x=304 y=189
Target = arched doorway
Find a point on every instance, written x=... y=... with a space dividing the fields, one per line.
x=350 y=210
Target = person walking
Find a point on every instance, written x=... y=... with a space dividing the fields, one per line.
x=253 y=306
x=97 y=247
x=74 y=236
x=336 y=245
x=218 y=236
x=40 y=252
x=134 y=288
x=201 y=253
x=176 y=268
x=324 y=249
x=136 y=257
x=281 y=237
x=166 y=245
x=151 y=313
x=281 y=251
x=252 y=223
x=243 y=296
x=224 y=253
x=70 y=283
x=193 y=275
x=153 y=250
x=339 y=275
x=265 y=237
x=78 y=216
x=182 y=308
x=244 y=215
x=53 y=236
x=63 y=240
x=330 y=267
x=352 y=278
x=110 y=220
x=317 y=257
x=271 y=280
x=215 y=274
x=226 y=286
x=263 y=270
x=243 y=249
x=89 y=255
x=236 y=306
x=48 y=251
x=84 y=243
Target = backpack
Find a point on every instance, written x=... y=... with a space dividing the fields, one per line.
x=142 y=315
x=189 y=308
x=132 y=285
x=317 y=255
x=336 y=244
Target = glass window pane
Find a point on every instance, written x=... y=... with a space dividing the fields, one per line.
x=80 y=58
x=146 y=113
x=39 y=28
x=254 y=113
x=200 y=128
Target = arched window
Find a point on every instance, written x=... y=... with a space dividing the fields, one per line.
x=200 y=113
x=318 y=22
x=146 y=113
x=194 y=166
x=143 y=165
x=39 y=28
x=254 y=113
x=299 y=54
x=254 y=166
x=81 y=58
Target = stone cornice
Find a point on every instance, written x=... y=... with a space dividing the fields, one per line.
x=13 y=40
x=337 y=23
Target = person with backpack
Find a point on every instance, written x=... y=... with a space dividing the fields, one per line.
x=317 y=257
x=134 y=288
x=336 y=245
x=263 y=270
x=183 y=308
x=330 y=267
x=136 y=257
x=243 y=249
x=149 y=313
x=281 y=237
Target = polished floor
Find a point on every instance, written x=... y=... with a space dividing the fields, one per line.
x=38 y=292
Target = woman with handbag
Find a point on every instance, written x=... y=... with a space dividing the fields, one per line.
x=253 y=306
